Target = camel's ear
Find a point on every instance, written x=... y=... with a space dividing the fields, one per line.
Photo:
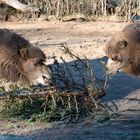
x=24 y=52
x=122 y=44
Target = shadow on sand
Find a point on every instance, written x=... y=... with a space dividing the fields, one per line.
x=14 y=137
x=119 y=86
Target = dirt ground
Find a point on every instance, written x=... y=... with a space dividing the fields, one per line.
x=84 y=39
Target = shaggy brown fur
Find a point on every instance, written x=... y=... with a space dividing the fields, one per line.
x=19 y=60
x=124 y=49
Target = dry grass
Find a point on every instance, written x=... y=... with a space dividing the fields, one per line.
x=68 y=10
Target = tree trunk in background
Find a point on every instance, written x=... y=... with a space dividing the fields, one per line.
x=102 y=6
x=58 y=9
x=19 y=6
x=105 y=13
x=67 y=5
x=129 y=10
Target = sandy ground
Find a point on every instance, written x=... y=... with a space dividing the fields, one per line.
x=86 y=39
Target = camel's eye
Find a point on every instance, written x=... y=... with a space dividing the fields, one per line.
x=39 y=62
x=116 y=58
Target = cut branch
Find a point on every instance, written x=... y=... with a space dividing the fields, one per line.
x=19 y=6
x=42 y=94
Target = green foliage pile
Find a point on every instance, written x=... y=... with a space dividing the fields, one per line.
x=50 y=108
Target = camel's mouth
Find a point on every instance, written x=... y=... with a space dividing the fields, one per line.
x=47 y=80
x=42 y=79
x=113 y=67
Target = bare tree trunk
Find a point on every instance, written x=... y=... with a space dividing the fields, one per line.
x=19 y=6
x=67 y=5
x=139 y=6
x=58 y=9
x=102 y=6
x=129 y=10
x=105 y=13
